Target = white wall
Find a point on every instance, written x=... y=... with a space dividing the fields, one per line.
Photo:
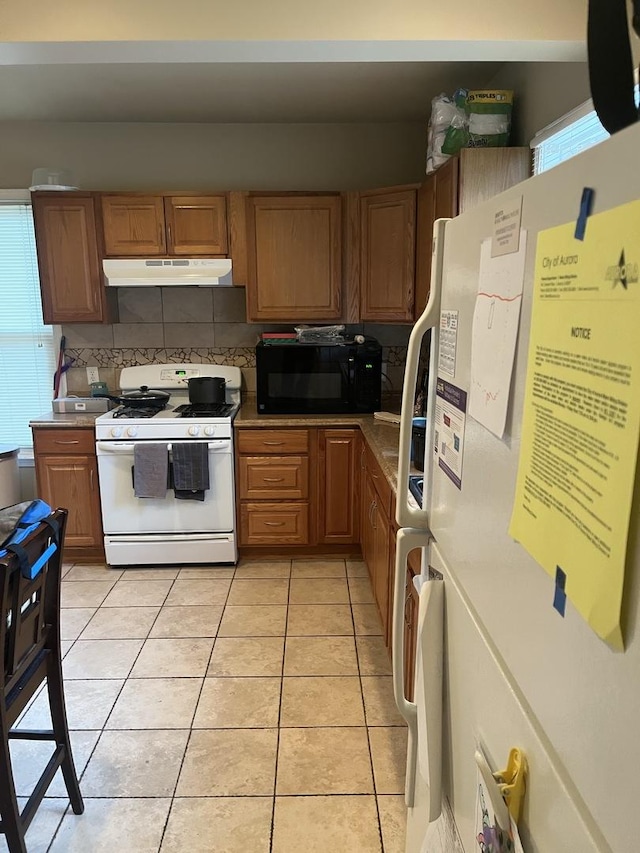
x=543 y=93
x=210 y=156
x=281 y=20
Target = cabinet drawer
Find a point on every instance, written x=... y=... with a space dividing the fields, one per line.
x=273 y=441
x=274 y=523
x=274 y=477
x=382 y=485
x=58 y=440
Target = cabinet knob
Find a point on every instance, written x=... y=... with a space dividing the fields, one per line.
x=274 y=523
x=66 y=441
x=273 y=479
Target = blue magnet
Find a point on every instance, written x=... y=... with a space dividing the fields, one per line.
x=560 y=596
x=586 y=203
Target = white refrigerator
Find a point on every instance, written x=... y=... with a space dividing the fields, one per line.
x=498 y=665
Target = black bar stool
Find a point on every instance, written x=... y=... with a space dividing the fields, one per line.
x=30 y=640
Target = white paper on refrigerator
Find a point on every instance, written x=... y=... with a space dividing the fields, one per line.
x=495 y=331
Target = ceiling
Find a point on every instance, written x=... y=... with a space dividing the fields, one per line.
x=232 y=92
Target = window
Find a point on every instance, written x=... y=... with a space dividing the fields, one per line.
x=27 y=346
x=575 y=132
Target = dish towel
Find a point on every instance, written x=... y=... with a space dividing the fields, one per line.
x=150 y=470
x=190 y=470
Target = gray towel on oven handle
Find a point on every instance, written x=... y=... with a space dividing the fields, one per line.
x=190 y=470
x=150 y=469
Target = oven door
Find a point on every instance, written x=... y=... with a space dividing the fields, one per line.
x=305 y=379
x=123 y=512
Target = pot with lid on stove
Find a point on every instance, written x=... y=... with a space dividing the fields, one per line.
x=206 y=390
x=142 y=398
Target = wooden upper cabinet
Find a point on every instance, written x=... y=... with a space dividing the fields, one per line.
x=133 y=225
x=446 y=200
x=464 y=181
x=196 y=225
x=294 y=258
x=68 y=259
x=387 y=255
x=426 y=215
x=168 y=225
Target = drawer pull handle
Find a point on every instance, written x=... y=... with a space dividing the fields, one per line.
x=274 y=523
x=69 y=441
x=274 y=443
x=273 y=479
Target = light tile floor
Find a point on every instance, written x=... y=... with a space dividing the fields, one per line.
x=213 y=709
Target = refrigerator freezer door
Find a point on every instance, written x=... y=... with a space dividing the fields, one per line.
x=407 y=515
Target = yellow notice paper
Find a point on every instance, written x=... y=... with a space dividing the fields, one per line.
x=581 y=416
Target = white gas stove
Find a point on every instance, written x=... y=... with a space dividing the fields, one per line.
x=167 y=530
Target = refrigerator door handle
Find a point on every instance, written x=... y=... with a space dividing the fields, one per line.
x=406 y=515
x=406 y=541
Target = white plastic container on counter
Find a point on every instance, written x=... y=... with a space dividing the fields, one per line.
x=9 y=475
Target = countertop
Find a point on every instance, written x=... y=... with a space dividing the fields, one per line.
x=382 y=437
x=66 y=419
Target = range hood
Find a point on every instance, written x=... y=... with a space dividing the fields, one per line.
x=168 y=272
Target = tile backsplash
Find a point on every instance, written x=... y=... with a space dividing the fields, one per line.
x=208 y=325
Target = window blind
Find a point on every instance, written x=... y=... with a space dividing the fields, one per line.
x=27 y=346
x=575 y=132
x=569 y=135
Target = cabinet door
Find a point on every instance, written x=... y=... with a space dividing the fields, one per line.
x=294 y=258
x=133 y=225
x=196 y=225
x=72 y=482
x=68 y=262
x=424 y=242
x=338 y=509
x=388 y=235
x=446 y=202
x=380 y=526
x=368 y=496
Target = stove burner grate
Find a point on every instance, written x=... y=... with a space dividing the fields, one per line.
x=205 y=410
x=141 y=412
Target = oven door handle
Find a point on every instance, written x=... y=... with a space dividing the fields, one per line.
x=127 y=447
x=170 y=537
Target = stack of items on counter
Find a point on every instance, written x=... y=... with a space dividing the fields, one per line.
x=306 y=334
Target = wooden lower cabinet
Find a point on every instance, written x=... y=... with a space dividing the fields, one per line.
x=377 y=538
x=67 y=476
x=338 y=504
x=297 y=487
x=281 y=523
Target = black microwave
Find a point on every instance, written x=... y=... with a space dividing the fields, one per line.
x=304 y=378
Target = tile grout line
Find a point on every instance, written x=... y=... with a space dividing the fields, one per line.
x=193 y=716
x=103 y=728
x=366 y=724
x=275 y=769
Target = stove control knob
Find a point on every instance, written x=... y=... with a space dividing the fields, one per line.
x=194 y=430
x=132 y=431
x=116 y=432
x=209 y=430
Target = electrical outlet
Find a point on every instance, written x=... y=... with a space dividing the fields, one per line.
x=92 y=375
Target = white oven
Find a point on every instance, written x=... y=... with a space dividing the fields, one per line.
x=168 y=530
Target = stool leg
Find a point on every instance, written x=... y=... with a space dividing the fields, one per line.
x=9 y=811
x=61 y=729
